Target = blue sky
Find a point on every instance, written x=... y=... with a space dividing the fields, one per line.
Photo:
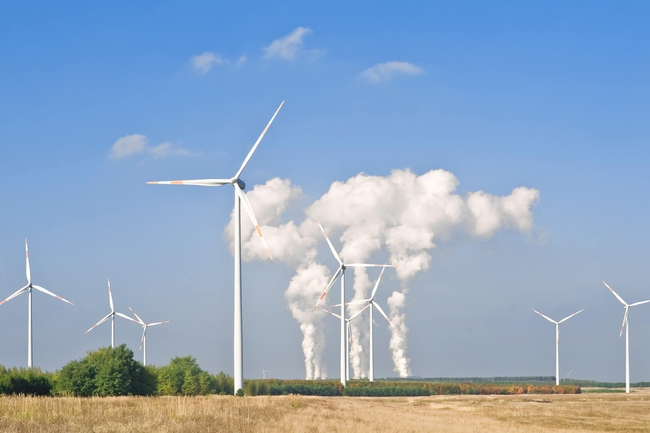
x=553 y=97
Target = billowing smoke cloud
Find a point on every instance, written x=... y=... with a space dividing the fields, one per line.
x=399 y=214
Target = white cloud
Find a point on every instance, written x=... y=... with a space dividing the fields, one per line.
x=167 y=149
x=204 y=62
x=128 y=145
x=287 y=47
x=383 y=72
x=241 y=60
x=137 y=143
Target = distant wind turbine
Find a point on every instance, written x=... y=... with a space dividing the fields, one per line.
x=264 y=373
x=340 y=272
x=28 y=288
x=557 y=341
x=111 y=316
x=626 y=326
x=370 y=302
x=143 y=340
x=348 y=335
x=240 y=198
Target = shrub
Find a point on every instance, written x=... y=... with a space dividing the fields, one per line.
x=25 y=381
x=105 y=372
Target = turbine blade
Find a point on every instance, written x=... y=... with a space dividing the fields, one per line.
x=136 y=315
x=332 y=281
x=16 y=293
x=47 y=292
x=158 y=323
x=360 y=301
x=374 y=290
x=28 y=271
x=366 y=265
x=329 y=312
x=360 y=311
x=243 y=166
x=624 y=322
x=567 y=318
x=110 y=295
x=197 y=182
x=615 y=294
x=382 y=313
x=144 y=332
x=99 y=323
x=251 y=215
x=547 y=318
x=329 y=243
x=129 y=318
x=639 y=303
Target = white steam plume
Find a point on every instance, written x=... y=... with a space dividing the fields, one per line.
x=401 y=212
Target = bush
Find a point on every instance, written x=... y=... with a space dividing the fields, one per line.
x=25 y=381
x=105 y=372
x=183 y=376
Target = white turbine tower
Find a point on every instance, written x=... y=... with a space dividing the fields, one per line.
x=28 y=288
x=371 y=302
x=264 y=373
x=143 y=340
x=341 y=272
x=557 y=341
x=111 y=316
x=626 y=325
x=240 y=198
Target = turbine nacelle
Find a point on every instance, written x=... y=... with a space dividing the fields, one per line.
x=239 y=182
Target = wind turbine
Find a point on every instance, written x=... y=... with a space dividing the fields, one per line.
x=626 y=325
x=348 y=337
x=111 y=316
x=371 y=302
x=264 y=373
x=143 y=340
x=557 y=341
x=28 y=288
x=240 y=197
x=341 y=272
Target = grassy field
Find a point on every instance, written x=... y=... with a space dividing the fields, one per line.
x=517 y=413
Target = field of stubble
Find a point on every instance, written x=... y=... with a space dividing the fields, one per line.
x=523 y=413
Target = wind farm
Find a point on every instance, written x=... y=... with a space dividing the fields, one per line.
x=409 y=181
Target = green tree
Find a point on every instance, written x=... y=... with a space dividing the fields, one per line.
x=105 y=372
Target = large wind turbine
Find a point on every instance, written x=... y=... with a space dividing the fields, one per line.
x=240 y=198
x=340 y=272
x=143 y=340
x=28 y=288
x=371 y=302
x=111 y=316
x=557 y=341
x=626 y=325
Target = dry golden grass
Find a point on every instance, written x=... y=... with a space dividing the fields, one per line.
x=520 y=413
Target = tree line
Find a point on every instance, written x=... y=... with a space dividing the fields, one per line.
x=113 y=372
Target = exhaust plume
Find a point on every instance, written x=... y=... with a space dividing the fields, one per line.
x=399 y=214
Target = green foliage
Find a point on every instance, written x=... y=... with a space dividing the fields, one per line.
x=25 y=381
x=594 y=384
x=240 y=393
x=105 y=372
x=385 y=391
x=225 y=384
x=183 y=376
